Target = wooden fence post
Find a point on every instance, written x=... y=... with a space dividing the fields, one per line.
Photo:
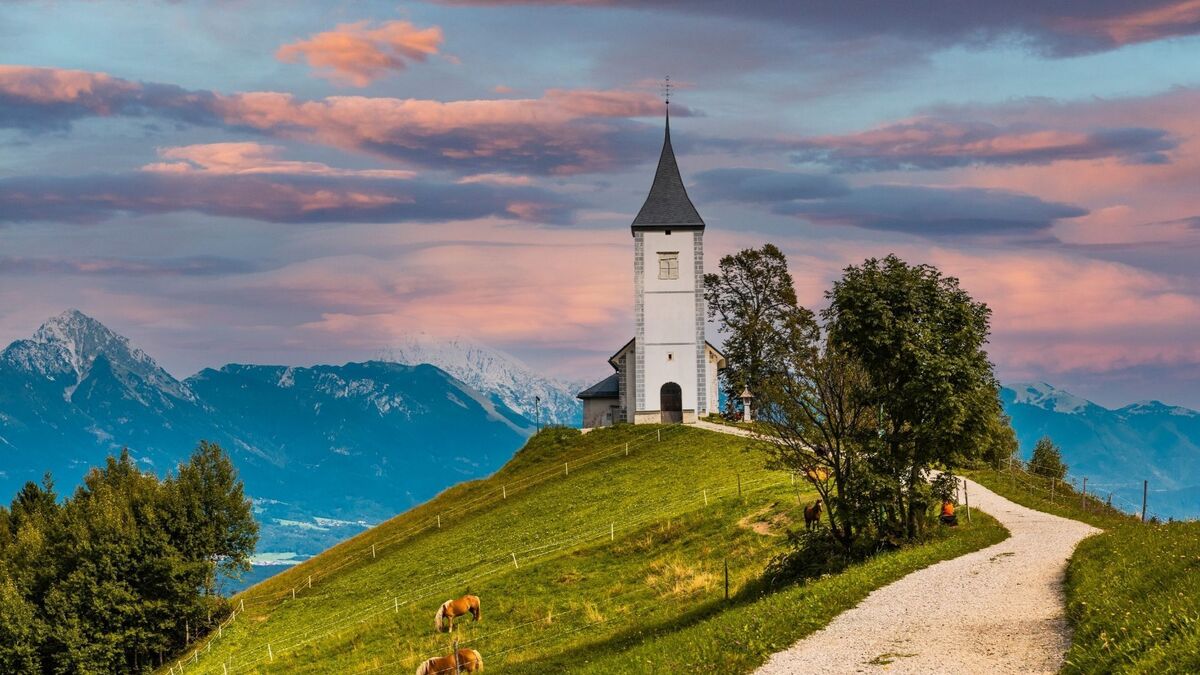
x=514 y=555
x=566 y=469
x=706 y=496
x=739 y=476
x=1083 y=495
x=967 y=497
x=270 y=654
x=396 y=605
x=612 y=531
x=372 y=551
x=1053 y=484
x=439 y=521
x=454 y=648
x=726 y=578
x=626 y=449
x=660 y=435
x=504 y=491
x=293 y=592
x=310 y=581
x=1145 y=488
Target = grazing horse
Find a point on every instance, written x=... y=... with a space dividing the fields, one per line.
x=812 y=515
x=466 y=661
x=444 y=619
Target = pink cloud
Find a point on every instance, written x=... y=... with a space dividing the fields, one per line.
x=96 y=91
x=247 y=158
x=358 y=54
x=1181 y=17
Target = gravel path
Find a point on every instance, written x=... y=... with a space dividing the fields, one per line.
x=998 y=610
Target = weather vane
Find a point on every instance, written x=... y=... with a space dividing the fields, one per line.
x=667 y=90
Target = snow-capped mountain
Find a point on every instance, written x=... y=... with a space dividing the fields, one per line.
x=321 y=449
x=1148 y=440
x=501 y=376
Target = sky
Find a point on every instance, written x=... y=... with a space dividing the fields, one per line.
x=285 y=182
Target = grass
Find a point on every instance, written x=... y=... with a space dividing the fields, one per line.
x=1134 y=600
x=1133 y=592
x=1056 y=497
x=620 y=560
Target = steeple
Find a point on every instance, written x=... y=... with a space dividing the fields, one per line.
x=667 y=206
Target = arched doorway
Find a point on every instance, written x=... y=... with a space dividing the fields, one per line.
x=670 y=402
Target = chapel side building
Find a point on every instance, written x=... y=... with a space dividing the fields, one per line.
x=668 y=371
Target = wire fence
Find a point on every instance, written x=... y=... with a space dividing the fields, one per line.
x=1075 y=486
x=417 y=589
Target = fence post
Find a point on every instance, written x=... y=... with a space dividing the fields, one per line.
x=454 y=648
x=293 y=592
x=270 y=654
x=1012 y=476
x=967 y=497
x=660 y=435
x=224 y=670
x=1053 y=484
x=504 y=491
x=1083 y=495
x=726 y=578
x=1145 y=489
x=439 y=521
x=739 y=485
x=372 y=551
x=566 y=469
x=626 y=449
x=241 y=604
x=514 y=555
x=310 y=581
x=396 y=605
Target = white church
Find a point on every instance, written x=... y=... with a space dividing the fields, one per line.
x=668 y=371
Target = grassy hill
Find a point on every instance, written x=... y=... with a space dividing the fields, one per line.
x=603 y=553
x=1133 y=595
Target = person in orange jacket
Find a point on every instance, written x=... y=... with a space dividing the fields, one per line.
x=948 y=516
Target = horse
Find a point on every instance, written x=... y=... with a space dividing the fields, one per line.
x=812 y=515
x=443 y=621
x=465 y=661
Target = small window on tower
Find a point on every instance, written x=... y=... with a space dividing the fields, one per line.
x=668 y=265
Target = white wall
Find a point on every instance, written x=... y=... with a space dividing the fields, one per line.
x=669 y=349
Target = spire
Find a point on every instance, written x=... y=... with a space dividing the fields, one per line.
x=668 y=205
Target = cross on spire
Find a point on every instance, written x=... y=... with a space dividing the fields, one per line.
x=666 y=88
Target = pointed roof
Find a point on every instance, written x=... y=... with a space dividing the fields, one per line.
x=668 y=205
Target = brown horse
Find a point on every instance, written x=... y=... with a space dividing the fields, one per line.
x=444 y=619
x=812 y=515
x=466 y=661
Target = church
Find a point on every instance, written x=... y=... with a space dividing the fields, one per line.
x=668 y=371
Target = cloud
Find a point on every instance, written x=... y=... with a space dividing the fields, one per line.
x=247 y=158
x=566 y=131
x=358 y=54
x=766 y=186
x=1056 y=29
x=941 y=143
x=272 y=198
x=934 y=211
x=200 y=266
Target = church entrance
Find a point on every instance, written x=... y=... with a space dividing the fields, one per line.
x=670 y=402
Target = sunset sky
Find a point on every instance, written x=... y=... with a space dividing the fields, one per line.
x=270 y=182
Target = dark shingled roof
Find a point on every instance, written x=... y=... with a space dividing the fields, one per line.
x=667 y=206
x=609 y=387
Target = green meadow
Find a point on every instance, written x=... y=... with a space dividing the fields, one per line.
x=603 y=552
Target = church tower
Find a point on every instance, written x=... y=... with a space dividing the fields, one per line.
x=668 y=371
x=668 y=306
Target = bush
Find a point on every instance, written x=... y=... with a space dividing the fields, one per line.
x=810 y=554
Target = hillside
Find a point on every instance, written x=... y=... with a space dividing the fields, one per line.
x=586 y=555
x=323 y=450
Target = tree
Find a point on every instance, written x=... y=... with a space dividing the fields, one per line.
x=920 y=338
x=1047 y=460
x=821 y=423
x=214 y=519
x=755 y=301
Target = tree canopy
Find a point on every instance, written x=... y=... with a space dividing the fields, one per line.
x=116 y=576
x=754 y=299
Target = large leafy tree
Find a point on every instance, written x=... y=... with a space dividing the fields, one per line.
x=1047 y=460
x=754 y=299
x=118 y=575
x=920 y=338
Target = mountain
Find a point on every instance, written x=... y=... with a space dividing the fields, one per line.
x=1116 y=449
x=503 y=377
x=324 y=451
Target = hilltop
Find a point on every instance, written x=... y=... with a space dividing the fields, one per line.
x=599 y=552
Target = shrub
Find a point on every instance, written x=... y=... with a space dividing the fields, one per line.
x=1047 y=460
